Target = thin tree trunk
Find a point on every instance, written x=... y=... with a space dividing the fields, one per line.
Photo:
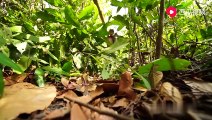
x=160 y=30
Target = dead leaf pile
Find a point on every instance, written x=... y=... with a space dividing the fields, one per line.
x=24 y=98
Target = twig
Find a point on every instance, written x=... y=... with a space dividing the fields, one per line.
x=117 y=116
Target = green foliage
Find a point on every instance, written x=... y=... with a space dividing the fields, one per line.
x=40 y=77
x=67 y=37
x=165 y=64
x=1 y=84
x=4 y=60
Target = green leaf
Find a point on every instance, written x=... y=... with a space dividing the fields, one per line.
x=39 y=77
x=119 y=44
x=2 y=41
x=105 y=74
x=24 y=62
x=4 y=60
x=1 y=84
x=40 y=39
x=71 y=16
x=203 y=33
x=144 y=81
x=172 y=37
x=55 y=70
x=16 y=29
x=67 y=66
x=55 y=2
x=86 y=13
x=165 y=64
x=117 y=3
x=54 y=57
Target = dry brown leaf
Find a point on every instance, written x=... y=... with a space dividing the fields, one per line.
x=155 y=76
x=16 y=78
x=199 y=86
x=69 y=93
x=171 y=93
x=105 y=117
x=24 y=98
x=125 y=86
x=65 y=81
x=121 y=103
x=57 y=113
x=89 y=97
x=77 y=113
x=139 y=87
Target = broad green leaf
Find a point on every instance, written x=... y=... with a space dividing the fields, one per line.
x=119 y=44
x=45 y=16
x=4 y=60
x=55 y=2
x=16 y=29
x=117 y=3
x=1 y=84
x=56 y=70
x=165 y=64
x=40 y=77
x=144 y=81
x=71 y=16
x=24 y=62
x=86 y=12
x=67 y=66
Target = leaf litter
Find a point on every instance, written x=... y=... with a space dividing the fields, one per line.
x=86 y=97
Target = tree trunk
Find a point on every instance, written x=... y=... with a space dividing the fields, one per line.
x=160 y=30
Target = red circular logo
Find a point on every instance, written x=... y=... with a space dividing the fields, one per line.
x=171 y=11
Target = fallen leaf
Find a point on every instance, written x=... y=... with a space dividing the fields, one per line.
x=87 y=98
x=57 y=113
x=105 y=117
x=15 y=78
x=121 y=103
x=65 y=81
x=24 y=98
x=172 y=94
x=155 y=76
x=199 y=86
x=77 y=113
x=125 y=86
x=139 y=87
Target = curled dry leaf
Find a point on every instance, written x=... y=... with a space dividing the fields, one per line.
x=65 y=81
x=57 y=113
x=171 y=93
x=125 y=86
x=121 y=103
x=155 y=76
x=86 y=98
x=24 y=98
x=15 y=78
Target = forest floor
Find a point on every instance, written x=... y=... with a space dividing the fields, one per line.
x=179 y=95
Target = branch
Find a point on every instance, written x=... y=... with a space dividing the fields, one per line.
x=117 y=116
x=100 y=12
x=202 y=13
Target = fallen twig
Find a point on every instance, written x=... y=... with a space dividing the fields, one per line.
x=117 y=116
